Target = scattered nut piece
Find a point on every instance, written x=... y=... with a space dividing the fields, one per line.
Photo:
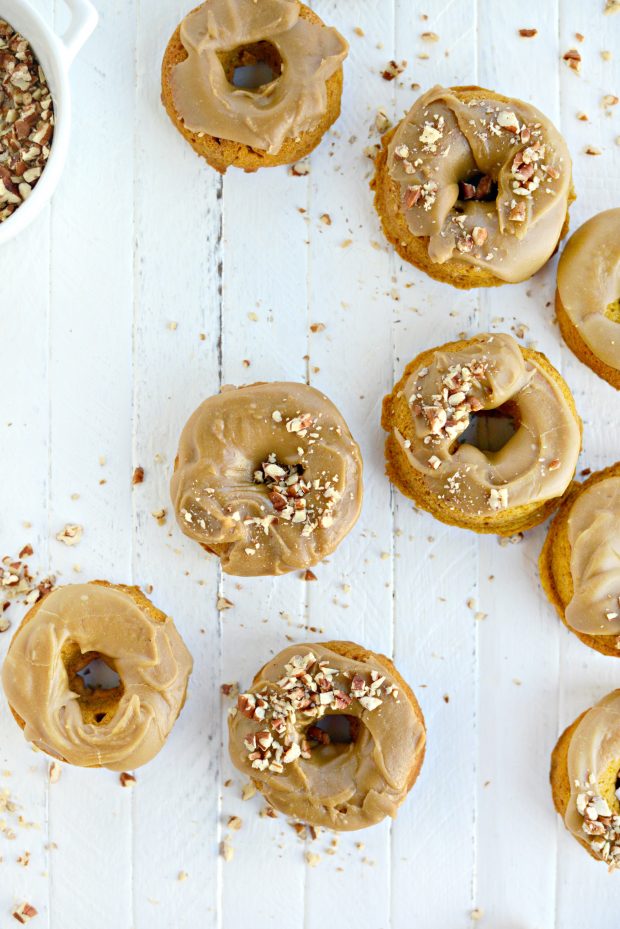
x=138 y=476
x=160 y=516
x=592 y=150
x=312 y=859
x=317 y=327
x=24 y=912
x=226 y=850
x=71 y=534
x=393 y=69
x=573 y=59
x=248 y=790
x=325 y=219
x=126 y=779
x=609 y=100
x=308 y=575
x=54 y=772
x=528 y=33
x=300 y=169
x=235 y=823
x=223 y=603
x=430 y=37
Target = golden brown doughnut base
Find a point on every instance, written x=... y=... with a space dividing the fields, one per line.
x=223 y=153
x=558 y=775
x=554 y=563
x=97 y=706
x=357 y=653
x=414 y=249
x=584 y=353
x=412 y=484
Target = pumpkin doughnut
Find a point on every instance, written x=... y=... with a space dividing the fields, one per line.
x=267 y=477
x=119 y=729
x=585 y=767
x=279 y=735
x=473 y=187
x=580 y=561
x=274 y=124
x=587 y=298
x=501 y=486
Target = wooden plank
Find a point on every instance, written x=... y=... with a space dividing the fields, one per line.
x=347 y=280
x=436 y=567
x=90 y=429
x=263 y=324
x=517 y=711
x=176 y=365
x=586 y=676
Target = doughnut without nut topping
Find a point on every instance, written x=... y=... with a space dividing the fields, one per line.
x=473 y=187
x=430 y=459
x=348 y=780
x=580 y=561
x=268 y=477
x=278 y=122
x=119 y=729
x=588 y=294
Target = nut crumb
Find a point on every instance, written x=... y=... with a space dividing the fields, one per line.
x=223 y=603
x=126 y=779
x=528 y=33
x=24 y=912
x=573 y=59
x=71 y=534
x=137 y=476
x=308 y=575
x=235 y=823
x=226 y=850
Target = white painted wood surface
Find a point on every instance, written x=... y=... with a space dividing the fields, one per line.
x=142 y=234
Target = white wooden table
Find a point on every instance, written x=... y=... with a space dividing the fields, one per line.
x=95 y=379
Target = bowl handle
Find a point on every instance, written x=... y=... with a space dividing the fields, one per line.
x=84 y=18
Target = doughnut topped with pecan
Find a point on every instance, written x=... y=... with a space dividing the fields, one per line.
x=473 y=187
x=268 y=477
x=483 y=434
x=585 y=768
x=331 y=734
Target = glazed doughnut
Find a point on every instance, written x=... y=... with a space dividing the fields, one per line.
x=66 y=630
x=473 y=187
x=341 y=782
x=267 y=477
x=580 y=561
x=273 y=124
x=587 y=298
x=505 y=488
x=584 y=772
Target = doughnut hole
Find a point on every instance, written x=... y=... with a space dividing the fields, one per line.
x=612 y=311
x=93 y=677
x=491 y=430
x=332 y=735
x=477 y=186
x=252 y=66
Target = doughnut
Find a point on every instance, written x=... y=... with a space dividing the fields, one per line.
x=122 y=728
x=330 y=734
x=473 y=187
x=276 y=123
x=267 y=477
x=587 y=299
x=585 y=767
x=580 y=561
x=527 y=430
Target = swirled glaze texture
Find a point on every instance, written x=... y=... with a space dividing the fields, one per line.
x=268 y=477
x=589 y=284
x=274 y=737
x=142 y=645
x=490 y=371
x=594 y=537
x=293 y=102
x=444 y=144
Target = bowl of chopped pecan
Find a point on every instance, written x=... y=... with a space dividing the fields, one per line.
x=35 y=106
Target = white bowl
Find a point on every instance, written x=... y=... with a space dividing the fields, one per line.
x=55 y=55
